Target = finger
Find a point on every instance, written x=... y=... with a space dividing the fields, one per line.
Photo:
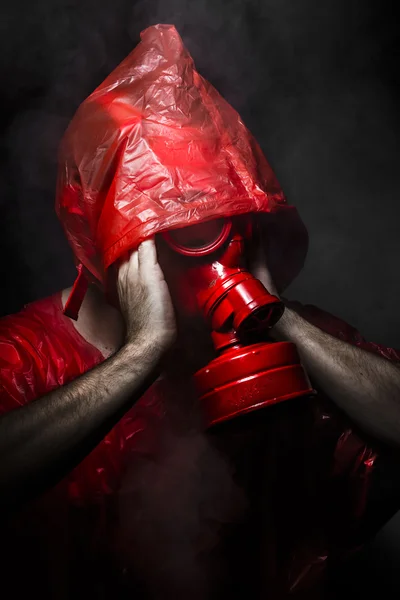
x=121 y=274
x=127 y=263
x=147 y=253
x=134 y=261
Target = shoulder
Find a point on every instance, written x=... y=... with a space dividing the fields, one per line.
x=39 y=351
x=29 y=327
x=23 y=364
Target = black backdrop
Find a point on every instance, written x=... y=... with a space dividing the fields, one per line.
x=315 y=80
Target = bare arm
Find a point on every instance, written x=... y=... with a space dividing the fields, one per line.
x=364 y=385
x=41 y=442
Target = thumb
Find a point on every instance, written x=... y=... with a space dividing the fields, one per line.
x=147 y=253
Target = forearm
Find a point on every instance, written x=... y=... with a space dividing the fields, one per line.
x=364 y=385
x=44 y=440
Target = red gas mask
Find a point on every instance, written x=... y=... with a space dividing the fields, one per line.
x=205 y=266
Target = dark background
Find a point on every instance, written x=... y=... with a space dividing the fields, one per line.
x=317 y=83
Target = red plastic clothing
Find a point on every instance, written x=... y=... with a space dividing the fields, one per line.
x=40 y=350
x=66 y=533
x=155 y=147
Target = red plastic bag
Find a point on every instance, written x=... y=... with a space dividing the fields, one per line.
x=156 y=147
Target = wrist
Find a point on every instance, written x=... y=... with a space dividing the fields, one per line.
x=285 y=328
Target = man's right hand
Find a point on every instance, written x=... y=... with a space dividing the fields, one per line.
x=144 y=299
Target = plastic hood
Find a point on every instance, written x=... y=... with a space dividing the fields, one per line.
x=156 y=147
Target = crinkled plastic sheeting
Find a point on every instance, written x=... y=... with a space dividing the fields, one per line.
x=156 y=147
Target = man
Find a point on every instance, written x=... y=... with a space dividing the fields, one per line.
x=154 y=147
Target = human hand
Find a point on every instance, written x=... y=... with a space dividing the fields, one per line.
x=144 y=299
